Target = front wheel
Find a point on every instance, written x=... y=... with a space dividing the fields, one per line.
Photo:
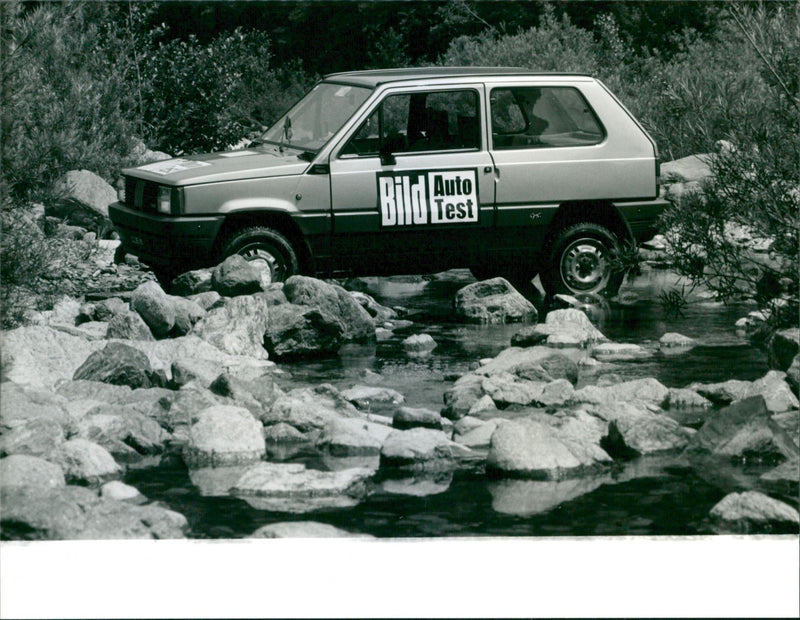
x=266 y=249
x=581 y=262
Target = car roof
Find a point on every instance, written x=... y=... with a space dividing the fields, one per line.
x=375 y=77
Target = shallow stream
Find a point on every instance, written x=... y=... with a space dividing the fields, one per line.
x=646 y=496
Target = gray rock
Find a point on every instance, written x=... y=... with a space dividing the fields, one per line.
x=564 y=328
x=530 y=449
x=459 y=399
x=787 y=473
x=420 y=449
x=293 y=488
x=410 y=417
x=482 y=407
x=118 y=364
x=777 y=394
x=752 y=512
x=637 y=431
x=76 y=513
x=85 y=200
x=23 y=404
x=192 y=283
x=672 y=339
x=380 y=314
x=122 y=431
x=419 y=344
x=216 y=481
x=332 y=301
x=187 y=369
x=793 y=374
x=205 y=300
x=85 y=461
x=238 y=327
x=506 y=389
x=310 y=409
x=128 y=325
x=647 y=390
x=478 y=436
x=224 y=435
x=493 y=301
x=533 y=363
x=255 y=394
x=235 y=276
x=299 y=331
x=347 y=437
x=107 y=309
x=421 y=484
x=21 y=470
x=744 y=429
x=784 y=346
x=619 y=352
x=155 y=307
x=187 y=313
x=36 y=437
x=283 y=433
x=688 y=169
x=303 y=529
x=683 y=398
x=365 y=396
x=722 y=393
x=121 y=492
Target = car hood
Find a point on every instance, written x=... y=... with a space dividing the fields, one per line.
x=223 y=166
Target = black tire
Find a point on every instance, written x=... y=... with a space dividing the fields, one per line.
x=272 y=252
x=580 y=262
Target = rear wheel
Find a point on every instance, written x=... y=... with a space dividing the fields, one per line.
x=581 y=262
x=266 y=249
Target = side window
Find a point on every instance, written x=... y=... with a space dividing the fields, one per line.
x=419 y=122
x=542 y=117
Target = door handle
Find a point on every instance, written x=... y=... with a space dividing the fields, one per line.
x=487 y=169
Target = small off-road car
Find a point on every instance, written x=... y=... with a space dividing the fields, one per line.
x=505 y=171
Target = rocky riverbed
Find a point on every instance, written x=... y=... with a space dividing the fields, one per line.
x=390 y=407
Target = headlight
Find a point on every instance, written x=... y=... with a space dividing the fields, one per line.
x=169 y=200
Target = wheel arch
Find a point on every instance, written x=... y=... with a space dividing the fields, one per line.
x=591 y=212
x=279 y=221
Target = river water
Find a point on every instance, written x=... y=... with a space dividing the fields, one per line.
x=656 y=495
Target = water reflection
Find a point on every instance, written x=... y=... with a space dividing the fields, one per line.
x=531 y=497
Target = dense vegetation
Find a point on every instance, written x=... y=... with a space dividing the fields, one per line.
x=85 y=83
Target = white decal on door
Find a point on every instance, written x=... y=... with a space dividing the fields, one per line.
x=427 y=197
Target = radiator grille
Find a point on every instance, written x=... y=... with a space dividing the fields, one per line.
x=140 y=195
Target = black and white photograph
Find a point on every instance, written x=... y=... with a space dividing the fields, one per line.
x=484 y=308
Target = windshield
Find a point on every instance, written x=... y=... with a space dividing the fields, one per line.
x=317 y=116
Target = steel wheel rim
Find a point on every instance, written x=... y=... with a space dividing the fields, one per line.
x=585 y=265
x=268 y=262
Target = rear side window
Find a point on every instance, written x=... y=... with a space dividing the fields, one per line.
x=420 y=122
x=541 y=117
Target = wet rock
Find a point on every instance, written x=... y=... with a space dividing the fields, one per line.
x=777 y=394
x=673 y=340
x=297 y=331
x=84 y=461
x=744 y=430
x=121 y=492
x=460 y=398
x=39 y=356
x=118 y=364
x=216 y=481
x=36 y=437
x=752 y=512
x=237 y=327
x=419 y=344
x=128 y=325
x=619 y=352
x=155 y=307
x=303 y=529
x=722 y=393
x=420 y=449
x=423 y=484
x=365 y=396
x=530 y=449
x=187 y=314
x=192 y=283
x=291 y=487
x=347 y=437
x=235 y=276
x=506 y=389
x=76 y=513
x=310 y=409
x=22 y=470
x=332 y=301
x=410 y=417
x=122 y=431
x=493 y=301
x=634 y=431
x=224 y=435
x=647 y=390
x=683 y=398
x=783 y=347
x=525 y=498
x=533 y=363
x=379 y=313
x=562 y=328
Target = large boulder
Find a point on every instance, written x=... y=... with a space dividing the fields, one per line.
x=506 y=389
x=224 y=435
x=528 y=448
x=493 y=301
x=85 y=201
x=647 y=390
x=380 y=314
x=253 y=393
x=777 y=394
x=533 y=363
x=77 y=513
x=421 y=449
x=344 y=437
x=235 y=276
x=744 y=429
x=300 y=331
x=310 y=409
x=192 y=283
x=567 y=327
x=634 y=430
x=118 y=364
x=692 y=168
x=293 y=488
x=29 y=471
x=84 y=461
x=122 y=431
x=752 y=512
x=333 y=301
x=155 y=307
x=128 y=325
x=237 y=327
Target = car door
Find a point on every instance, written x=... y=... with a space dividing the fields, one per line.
x=413 y=187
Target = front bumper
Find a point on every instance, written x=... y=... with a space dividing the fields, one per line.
x=166 y=241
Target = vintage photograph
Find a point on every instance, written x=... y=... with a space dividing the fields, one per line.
x=399 y=270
